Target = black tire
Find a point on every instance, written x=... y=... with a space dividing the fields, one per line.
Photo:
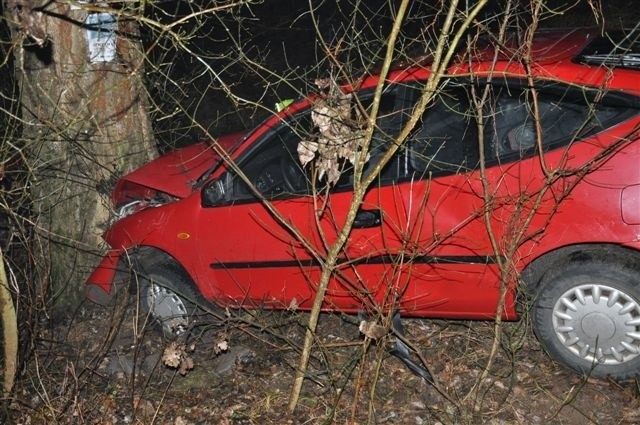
x=587 y=317
x=169 y=298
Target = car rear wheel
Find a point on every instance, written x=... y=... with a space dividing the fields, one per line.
x=587 y=317
x=168 y=296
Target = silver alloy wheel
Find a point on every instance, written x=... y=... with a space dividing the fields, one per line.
x=168 y=308
x=598 y=323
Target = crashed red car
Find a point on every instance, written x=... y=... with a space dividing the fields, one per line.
x=561 y=193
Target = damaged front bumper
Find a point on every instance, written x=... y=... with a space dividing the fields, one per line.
x=102 y=284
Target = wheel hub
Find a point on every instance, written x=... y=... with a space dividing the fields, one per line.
x=598 y=323
x=168 y=308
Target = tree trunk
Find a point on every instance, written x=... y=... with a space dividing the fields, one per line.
x=85 y=123
x=9 y=332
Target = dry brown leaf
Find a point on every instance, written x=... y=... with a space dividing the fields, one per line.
x=143 y=407
x=185 y=365
x=372 y=329
x=108 y=404
x=172 y=355
x=340 y=133
x=222 y=343
x=175 y=356
x=221 y=346
x=307 y=151
x=293 y=305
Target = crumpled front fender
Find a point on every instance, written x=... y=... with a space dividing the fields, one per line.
x=126 y=237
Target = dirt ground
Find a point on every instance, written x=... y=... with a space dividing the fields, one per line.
x=107 y=366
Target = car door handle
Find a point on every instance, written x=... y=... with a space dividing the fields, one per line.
x=367 y=218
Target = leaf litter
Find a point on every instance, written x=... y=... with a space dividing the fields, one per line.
x=66 y=381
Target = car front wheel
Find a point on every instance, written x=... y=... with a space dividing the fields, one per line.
x=587 y=317
x=167 y=295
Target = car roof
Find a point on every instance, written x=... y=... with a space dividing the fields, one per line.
x=548 y=46
x=557 y=54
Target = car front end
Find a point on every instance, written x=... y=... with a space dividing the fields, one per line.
x=143 y=201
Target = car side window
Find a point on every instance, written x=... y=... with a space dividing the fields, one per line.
x=273 y=167
x=565 y=115
x=509 y=128
x=444 y=141
x=393 y=112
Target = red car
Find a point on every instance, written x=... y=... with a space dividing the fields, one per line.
x=566 y=216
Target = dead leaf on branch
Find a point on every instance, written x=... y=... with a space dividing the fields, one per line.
x=293 y=305
x=340 y=133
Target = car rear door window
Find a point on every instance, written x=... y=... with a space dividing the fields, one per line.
x=444 y=141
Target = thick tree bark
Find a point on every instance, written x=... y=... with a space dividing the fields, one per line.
x=85 y=123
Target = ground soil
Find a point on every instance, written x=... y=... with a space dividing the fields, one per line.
x=106 y=366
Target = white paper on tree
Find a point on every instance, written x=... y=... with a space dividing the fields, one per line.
x=101 y=36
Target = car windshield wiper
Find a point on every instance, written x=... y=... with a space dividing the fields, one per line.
x=205 y=176
x=626 y=60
